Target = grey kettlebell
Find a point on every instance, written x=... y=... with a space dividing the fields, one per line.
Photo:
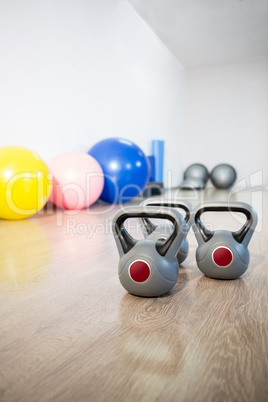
x=161 y=232
x=223 y=254
x=148 y=267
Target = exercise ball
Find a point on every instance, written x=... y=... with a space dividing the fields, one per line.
x=77 y=180
x=223 y=176
x=125 y=166
x=25 y=183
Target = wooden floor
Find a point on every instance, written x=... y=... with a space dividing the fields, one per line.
x=70 y=332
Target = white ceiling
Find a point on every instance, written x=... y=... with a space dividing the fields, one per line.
x=209 y=32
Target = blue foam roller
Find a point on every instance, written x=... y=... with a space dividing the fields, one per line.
x=158 y=153
x=152 y=166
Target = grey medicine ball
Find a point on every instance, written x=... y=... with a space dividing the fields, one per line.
x=223 y=176
x=197 y=171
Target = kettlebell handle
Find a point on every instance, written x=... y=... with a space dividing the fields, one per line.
x=242 y=235
x=159 y=202
x=128 y=242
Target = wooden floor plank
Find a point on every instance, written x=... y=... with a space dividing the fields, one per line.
x=70 y=332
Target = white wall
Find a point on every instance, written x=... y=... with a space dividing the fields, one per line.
x=74 y=72
x=227 y=117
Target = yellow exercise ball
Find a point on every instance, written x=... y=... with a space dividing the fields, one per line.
x=25 y=183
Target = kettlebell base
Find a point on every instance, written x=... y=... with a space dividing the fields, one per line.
x=151 y=297
x=224 y=273
x=222 y=279
x=134 y=289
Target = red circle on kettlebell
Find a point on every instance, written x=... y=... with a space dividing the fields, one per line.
x=139 y=271
x=222 y=256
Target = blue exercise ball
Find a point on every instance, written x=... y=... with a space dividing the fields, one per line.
x=125 y=166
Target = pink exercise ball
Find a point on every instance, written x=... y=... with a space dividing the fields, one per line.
x=77 y=180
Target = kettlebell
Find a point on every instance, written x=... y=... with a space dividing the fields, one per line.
x=223 y=254
x=148 y=267
x=161 y=232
